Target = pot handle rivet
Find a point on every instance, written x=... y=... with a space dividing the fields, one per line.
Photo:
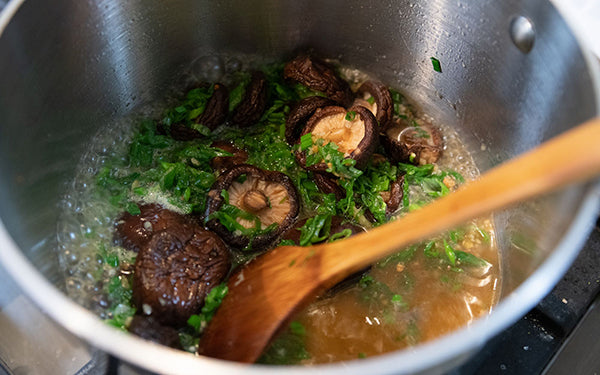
x=522 y=33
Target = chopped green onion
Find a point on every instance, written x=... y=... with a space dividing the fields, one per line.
x=436 y=65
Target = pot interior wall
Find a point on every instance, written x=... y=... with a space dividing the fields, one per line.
x=68 y=68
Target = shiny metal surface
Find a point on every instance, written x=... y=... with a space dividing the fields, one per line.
x=70 y=67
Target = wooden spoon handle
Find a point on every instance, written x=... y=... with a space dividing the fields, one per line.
x=571 y=157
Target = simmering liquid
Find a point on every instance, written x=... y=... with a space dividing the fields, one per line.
x=416 y=295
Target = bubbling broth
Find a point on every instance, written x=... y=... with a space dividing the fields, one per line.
x=164 y=209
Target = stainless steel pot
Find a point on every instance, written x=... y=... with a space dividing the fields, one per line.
x=512 y=76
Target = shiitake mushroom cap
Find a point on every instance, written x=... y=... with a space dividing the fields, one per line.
x=271 y=195
x=175 y=271
x=254 y=102
x=318 y=75
x=383 y=105
x=415 y=143
x=364 y=123
x=133 y=232
x=300 y=113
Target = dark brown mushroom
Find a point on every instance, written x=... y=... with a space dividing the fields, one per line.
x=338 y=225
x=148 y=328
x=392 y=198
x=180 y=132
x=133 y=232
x=175 y=271
x=214 y=114
x=354 y=131
x=223 y=163
x=300 y=113
x=320 y=76
x=414 y=143
x=376 y=97
x=269 y=196
x=216 y=109
x=328 y=185
x=254 y=102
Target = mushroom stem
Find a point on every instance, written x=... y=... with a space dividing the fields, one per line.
x=254 y=201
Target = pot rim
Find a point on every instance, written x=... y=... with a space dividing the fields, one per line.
x=158 y=358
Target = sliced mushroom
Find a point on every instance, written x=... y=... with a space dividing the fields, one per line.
x=223 y=163
x=269 y=196
x=254 y=102
x=148 y=328
x=319 y=76
x=338 y=225
x=133 y=232
x=418 y=144
x=216 y=109
x=175 y=271
x=376 y=97
x=300 y=113
x=353 y=131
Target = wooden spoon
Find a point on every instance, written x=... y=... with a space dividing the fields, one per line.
x=266 y=292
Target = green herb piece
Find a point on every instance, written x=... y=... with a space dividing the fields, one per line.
x=450 y=253
x=470 y=260
x=362 y=355
x=212 y=301
x=335 y=160
x=340 y=235
x=228 y=214
x=403 y=256
x=288 y=348
x=189 y=342
x=430 y=250
x=286 y=243
x=141 y=191
x=484 y=235
x=304 y=92
x=189 y=109
x=144 y=144
x=399 y=302
x=225 y=195
x=436 y=65
x=315 y=230
x=297 y=328
x=371 y=100
x=350 y=116
x=108 y=257
x=456 y=235
x=121 y=309
x=133 y=208
x=237 y=93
